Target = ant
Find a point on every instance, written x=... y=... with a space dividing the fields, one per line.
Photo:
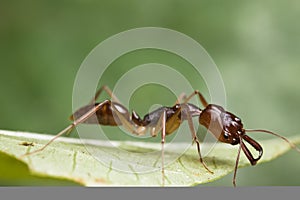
x=225 y=126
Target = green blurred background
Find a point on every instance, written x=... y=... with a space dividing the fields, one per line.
x=255 y=44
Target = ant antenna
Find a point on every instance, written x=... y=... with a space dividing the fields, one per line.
x=275 y=134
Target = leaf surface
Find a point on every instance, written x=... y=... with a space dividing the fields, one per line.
x=113 y=163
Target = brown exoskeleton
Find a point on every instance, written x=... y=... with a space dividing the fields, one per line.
x=225 y=126
x=228 y=128
x=112 y=113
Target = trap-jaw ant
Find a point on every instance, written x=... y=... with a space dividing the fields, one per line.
x=225 y=126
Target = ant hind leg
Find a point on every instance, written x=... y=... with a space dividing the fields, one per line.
x=108 y=91
x=83 y=118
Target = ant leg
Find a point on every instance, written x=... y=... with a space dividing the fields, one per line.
x=99 y=91
x=108 y=91
x=181 y=97
x=236 y=165
x=161 y=126
x=163 y=137
x=202 y=99
x=191 y=126
x=70 y=127
x=127 y=123
x=195 y=139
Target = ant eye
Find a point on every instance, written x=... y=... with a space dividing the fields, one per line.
x=237 y=119
x=226 y=135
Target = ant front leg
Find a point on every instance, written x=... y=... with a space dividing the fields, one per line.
x=195 y=139
x=201 y=97
x=236 y=166
x=191 y=126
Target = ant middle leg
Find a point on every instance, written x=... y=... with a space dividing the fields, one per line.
x=161 y=126
x=163 y=138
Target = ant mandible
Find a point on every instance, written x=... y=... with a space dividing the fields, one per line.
x=225 y=126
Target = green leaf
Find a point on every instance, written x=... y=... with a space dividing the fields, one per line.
x=106 y=163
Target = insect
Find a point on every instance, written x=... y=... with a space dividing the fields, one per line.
x=26 y=144
x=112 y=113
x=225 y=126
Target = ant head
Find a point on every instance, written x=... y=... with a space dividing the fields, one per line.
x=232 y=128
x=225 y=126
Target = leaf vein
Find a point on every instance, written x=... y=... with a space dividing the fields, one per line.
x=134 y=172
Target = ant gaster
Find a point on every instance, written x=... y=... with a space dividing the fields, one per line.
x=225 y=126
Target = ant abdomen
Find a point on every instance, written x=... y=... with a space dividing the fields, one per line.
x=105 y=115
